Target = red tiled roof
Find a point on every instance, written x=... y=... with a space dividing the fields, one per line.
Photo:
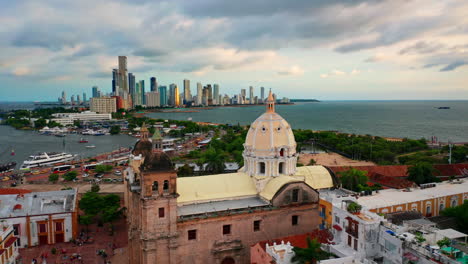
x=323 y=236
x=5 y=191
x=10 y=241
x=451 y=170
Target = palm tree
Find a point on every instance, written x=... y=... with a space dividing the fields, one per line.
x=311 y=254
x=215 y=160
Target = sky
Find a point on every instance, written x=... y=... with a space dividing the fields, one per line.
x=329 y=50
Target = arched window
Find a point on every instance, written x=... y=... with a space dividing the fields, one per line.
x=282 y=152
x=454 y=202
x=428 y=209
x=228 y=260
x=155 y=186
x=262 y=167
x=281 y=167
x=166 y=186
x=441 y=207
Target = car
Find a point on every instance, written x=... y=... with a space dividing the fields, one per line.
x=118 y=173
x=97 y=180
x=85 y=175
x=99 y=175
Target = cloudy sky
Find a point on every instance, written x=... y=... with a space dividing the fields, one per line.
x=330 y=49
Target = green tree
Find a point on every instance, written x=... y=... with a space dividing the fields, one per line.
x=312 y=162
x=70 y=176
x=185 y=171
x=460 y=213
x=445 y=242
x=422 y=172
x=114 y=130
x=103 y=168
x=53 y=177
x=352 y=178
x=40 y=123
x=215 y=160
x=311 y=254
x=95 y=188
x=101 y=208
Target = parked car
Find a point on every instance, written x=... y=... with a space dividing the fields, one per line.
x=99 y=175
x=85 y=175
x=118 y=173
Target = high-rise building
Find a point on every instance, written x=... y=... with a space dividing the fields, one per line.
x=131 y=84
x=205 y=95
x=243 y=96
x=123 y=82
x=199 y=93
x=262 y=93
x=137 y=95
x=115 y=81
x=210 y=94
x=176 y=96
x=216 y=94
x=78 y=98
x=163 y=95
x=171 y=99
x=187 y=93
x=84 y=98
x=153 y=99
x=153 y=84
x=95 y=91
x=251 y=96
x=103 y=105
x=72 y=99
x=142 y=91
x=64 y=97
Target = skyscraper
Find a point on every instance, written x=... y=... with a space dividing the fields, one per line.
x=72 y=100
x=205 y=95
x=95 y=91
x=115 y=81
x=137 y=95
x=216 y=94
x=153 y=84
x=84 y=98
x=199 y=93
x=176 y=96
x=187 y=93
x=131 y=85
x=251 y=96
x=262 y=93
x=243 y=95
x=171 y=98
x=64 y=97
x=163 y=95
x=142 y=92
x=123 y=82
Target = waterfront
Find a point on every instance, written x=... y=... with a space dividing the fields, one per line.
x=412 y=119
x=25 y=143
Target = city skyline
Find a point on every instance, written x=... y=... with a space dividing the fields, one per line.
x=329 y=50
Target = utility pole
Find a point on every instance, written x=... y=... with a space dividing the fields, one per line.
x=450 y=145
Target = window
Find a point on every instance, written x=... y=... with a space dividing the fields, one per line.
x=58 y=226
x=155 y=186
x=337 y=219
x=453 y=203
x=192 y=234
x=166 y=186
x=355 y=244
x=226 y=229
x=281 y=167
x=161 y=212
x=294 y=220
x=428 y=209
x=349 y=240
x=262 y=167
x=282 y=152
x=256 y=225
x=295 y=195
x=441 y=207
x=42 y=228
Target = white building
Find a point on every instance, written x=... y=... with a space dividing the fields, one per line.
x=153 y=99
x=103 y=104
x=41 y=218
x=8 y=244
x=87 y=116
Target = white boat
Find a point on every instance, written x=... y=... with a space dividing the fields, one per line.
x=46 y=158
x=90 y=146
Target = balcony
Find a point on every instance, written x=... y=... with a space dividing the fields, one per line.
x=353 y=232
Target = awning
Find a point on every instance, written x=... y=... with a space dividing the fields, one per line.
x=1 y=251
x=410 y=256
x=337 y=227
x=10 y=241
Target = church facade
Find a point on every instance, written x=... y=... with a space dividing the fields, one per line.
x=216 y=218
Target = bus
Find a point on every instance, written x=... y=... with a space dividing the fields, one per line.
x=88 y=167
x=62 y=168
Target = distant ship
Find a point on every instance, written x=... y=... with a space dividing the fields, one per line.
x=46 y=158
x=443 y=107
x=7 y=166
x=90 y=146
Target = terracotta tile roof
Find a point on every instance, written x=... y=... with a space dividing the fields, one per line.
x=4 y=191
x=451 y=170
x=323 y=236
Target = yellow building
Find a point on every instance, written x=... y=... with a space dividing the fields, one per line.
x=176 y=96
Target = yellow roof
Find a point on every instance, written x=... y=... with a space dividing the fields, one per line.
x=235 y=185
x=214 y=187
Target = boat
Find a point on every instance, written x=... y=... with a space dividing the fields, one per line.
x=5 y=167
x=59 y=135
x=46 y=158
x=83 y=140
x=443 y=107
x=90 y=146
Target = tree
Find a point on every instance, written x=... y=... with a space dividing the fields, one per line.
x=352 y=178
x=215 y=160
x=184 y=171
x=312 y=162
x=311 y=254
x=99 y=208
x=77 y=123
x=422 y=172
x=40 y=123
x=114 y=130
x=460 y=213
x=103 y=168
x=444 y=242
x=70 y=176
x=95 y=188
x=54 y=177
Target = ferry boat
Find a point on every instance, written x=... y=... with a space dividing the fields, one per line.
x=5 y=167
x=46 y=158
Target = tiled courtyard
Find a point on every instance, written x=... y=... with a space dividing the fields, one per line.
x=67 y=253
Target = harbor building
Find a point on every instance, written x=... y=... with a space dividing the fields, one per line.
x=216 y=218
x=41 y=218
x=87 y=116
x=104 y=105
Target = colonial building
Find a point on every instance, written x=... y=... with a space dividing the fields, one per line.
x=216 y=218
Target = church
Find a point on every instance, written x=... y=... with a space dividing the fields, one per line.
x=216 y=218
